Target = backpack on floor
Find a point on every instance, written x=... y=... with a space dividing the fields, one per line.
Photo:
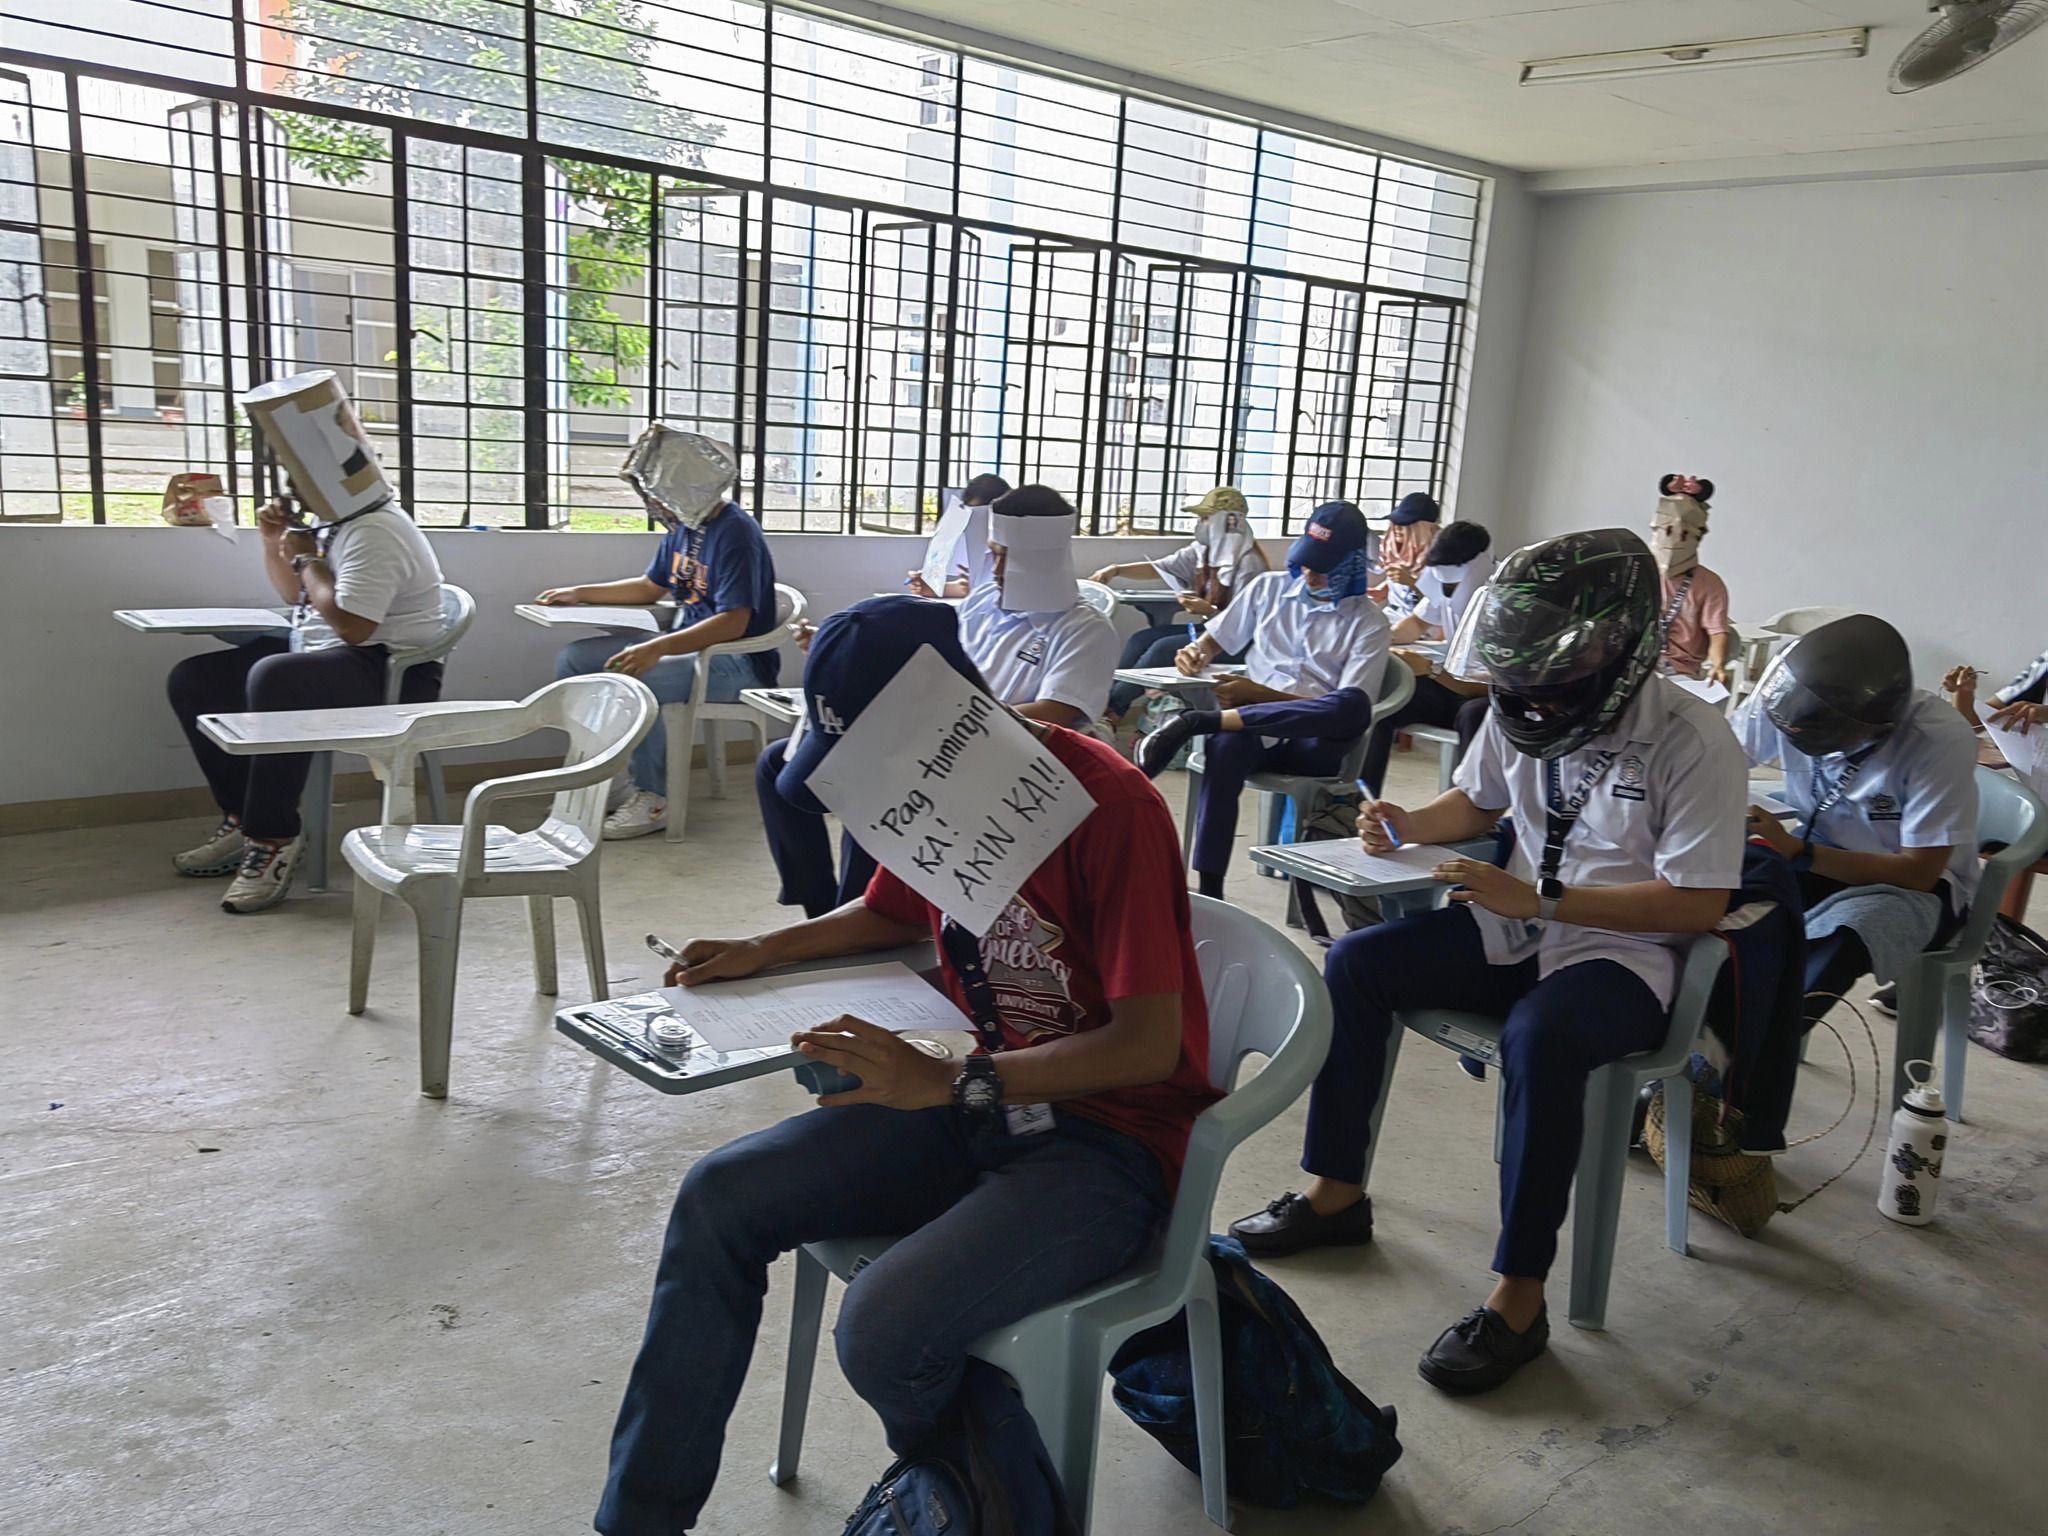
x=987 y=1475
x=1333 y=817
x=1292 y=1422
x=2009 y=992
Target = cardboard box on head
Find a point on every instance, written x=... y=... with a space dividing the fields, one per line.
x=308 y=422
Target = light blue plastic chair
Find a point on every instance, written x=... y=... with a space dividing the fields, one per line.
x=1265 y=998
x=1446 y=742
x=1610 y=1110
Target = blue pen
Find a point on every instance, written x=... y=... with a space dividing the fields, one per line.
x=1193 y=637
x=1392 y=836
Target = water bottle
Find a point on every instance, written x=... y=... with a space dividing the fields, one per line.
x=1911 y=1176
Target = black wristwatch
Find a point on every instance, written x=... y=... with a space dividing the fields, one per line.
x=1548 y=894
x=978 y=1090
x=300 y=562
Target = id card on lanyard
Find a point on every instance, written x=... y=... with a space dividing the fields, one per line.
x=963 y=950
x=1825 y=795
x=1670 y=617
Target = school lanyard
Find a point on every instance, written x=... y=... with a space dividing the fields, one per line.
x=1824 y=795
x=1563 y=814
x=1671 y=617
x=963 y=950
x=323 y=541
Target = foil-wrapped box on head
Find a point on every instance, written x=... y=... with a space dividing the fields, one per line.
x=308 y=422
x=682 y=476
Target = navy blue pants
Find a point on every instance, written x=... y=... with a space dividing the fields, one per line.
x=1314 y=736
x=999 y=1227
x=1154 y=647
x=801 y=846
x=1559 y=1030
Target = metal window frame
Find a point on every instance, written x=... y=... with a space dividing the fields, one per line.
x=951 y=358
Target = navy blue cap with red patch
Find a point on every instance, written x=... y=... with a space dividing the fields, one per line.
x=1336 y=530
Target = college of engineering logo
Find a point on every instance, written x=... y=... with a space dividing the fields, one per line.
x=1883 y=808
x=1628 y=779
x=1032 y=653
x=1027 y=975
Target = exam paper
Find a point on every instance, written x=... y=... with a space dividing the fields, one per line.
x=1347 y=856
x=942 y=554
x=1173 y=677
x=767 y=1010
x=599 y=617
x=2024 y=753
x=204 y=618
x=1706 y=688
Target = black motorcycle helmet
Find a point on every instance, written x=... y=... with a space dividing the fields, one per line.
x=1565 y=634
x=1839 y=687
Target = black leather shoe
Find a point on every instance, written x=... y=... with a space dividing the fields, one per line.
x=1291 y=1225
x=1480 y=1351
x=1157 y=749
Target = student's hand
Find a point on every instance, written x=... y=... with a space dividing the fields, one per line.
x=561 y=597
x=1401 y=575
x=1374 y=817
x=1961 y=681
x=1760 y=823
x=1188 y=661
x=892 y=1072
x=1488 y=886
x=801 y=632
x=2018 y=718
x=1106 y=575
x=634 y=660
x=714 y=960
x=1415 y=662
x=1717 y=672
x=1236 y=692
x=273 y=519
x=915 y=582
x=1200 y=607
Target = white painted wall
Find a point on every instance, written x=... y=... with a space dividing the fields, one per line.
x=1861 y=366
x=82 y=708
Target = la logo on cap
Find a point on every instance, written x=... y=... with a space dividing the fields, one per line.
x=829 y=721
x=1319 y=531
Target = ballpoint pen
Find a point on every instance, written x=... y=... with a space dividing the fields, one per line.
x=1385 y=825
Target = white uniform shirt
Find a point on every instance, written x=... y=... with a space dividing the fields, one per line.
x=1067 y=657
x=1183 y=567
x=1444 y=609
x=1300 y=644
x=384 y=571
x=1669 y=807
x=1916 y=789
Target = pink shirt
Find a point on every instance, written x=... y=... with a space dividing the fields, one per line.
x=1702 y=615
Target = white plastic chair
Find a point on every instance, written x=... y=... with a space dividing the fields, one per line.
x=1610 y=1110
x=1099 y=597
x=1265 y=997
x=1789 y=623
x=434 y=869
x=1397 y=686
x=681 y=720
x=316 y=805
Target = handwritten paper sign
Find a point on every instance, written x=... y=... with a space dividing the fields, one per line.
x=942 y=554
x=949 y=791
x=2022 y=751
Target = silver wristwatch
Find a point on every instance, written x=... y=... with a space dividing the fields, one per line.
x=300 y=562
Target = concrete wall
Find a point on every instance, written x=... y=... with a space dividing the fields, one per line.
x=1861 y=366
x=82 y=709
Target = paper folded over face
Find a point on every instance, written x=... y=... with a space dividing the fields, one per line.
x=949 y=791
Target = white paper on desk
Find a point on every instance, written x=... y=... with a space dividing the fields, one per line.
x=2024 y=753
x=1775 y=806
x=949 y=792
x=1704 y=687
x=600 y=617
x=1173 y=677
x=767 y=1010
x=210 y=618
x=942 y=553
x=1347 y=856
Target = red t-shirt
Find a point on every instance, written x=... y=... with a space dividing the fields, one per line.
x=1104 y=917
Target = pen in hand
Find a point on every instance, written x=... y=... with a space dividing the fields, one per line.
x=1385 y=825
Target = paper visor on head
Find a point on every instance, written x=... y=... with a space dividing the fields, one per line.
x=1038 y=561
x=1676 y=528
x=308 y=422
x=682 y=475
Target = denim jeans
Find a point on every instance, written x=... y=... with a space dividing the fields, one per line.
x=800 y=846
x=999 y=1227
x=670 y=679
x=1559 y=1030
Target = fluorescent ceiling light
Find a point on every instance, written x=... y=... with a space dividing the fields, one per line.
x=1734 y=53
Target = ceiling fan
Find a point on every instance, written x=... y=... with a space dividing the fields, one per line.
x=1968 y=33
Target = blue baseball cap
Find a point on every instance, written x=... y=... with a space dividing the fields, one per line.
x=853 y=657
x=1336 y=531
x=1416 y=507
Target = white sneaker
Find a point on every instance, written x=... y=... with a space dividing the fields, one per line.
x=220 y=854
x=617 y=792
x=638 y=814
x=265 y=876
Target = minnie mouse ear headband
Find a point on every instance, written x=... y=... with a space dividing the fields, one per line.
x=1706 y=491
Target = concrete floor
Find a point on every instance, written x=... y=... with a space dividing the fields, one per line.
x=253 y=1283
